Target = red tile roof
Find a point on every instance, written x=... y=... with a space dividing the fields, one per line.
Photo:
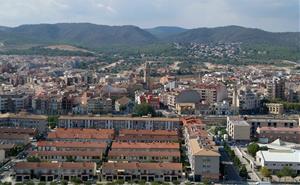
x=142 y=166
x=143 y=153
x=139 y=145
x=62 y=165
x=62 y=144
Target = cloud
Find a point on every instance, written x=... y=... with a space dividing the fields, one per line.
x=273 y=15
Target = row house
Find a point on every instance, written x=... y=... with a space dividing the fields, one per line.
x=19 y=139
x=150 y=147
x=18 y=130
x=126 y=135
x=67 y=156
x=117 y=123
x=144 y=156
x=168 y=172
x=284 y=133
x=256 y=122
x=45 y=171
x=24 y=120
x=81 y=135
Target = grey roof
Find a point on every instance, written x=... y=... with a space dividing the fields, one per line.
x=188 y=96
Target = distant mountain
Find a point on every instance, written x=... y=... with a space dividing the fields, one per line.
x=165 y=31
x=96 y=36
x=237 y=34
x=85 y=34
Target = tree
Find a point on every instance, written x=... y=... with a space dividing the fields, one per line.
x=143 y=109
x=243 y=172
x=265 y=171
x=286 y=171
x=42 y=183
x=52 y=121
x=33 y=159
x=252 y=149
x=70 y=159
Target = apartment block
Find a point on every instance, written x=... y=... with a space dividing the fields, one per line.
x=202 y=152
x=238 y=129
x=275 y=108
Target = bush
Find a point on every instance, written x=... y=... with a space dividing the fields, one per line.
x=265 y=171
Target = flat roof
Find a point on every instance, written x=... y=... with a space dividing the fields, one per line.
x=288 y=156
x=119 y=118
x=239 y=122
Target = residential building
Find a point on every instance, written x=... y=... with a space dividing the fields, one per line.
x=18 y=139
x=283 y=133
x=117 y=123
x=81 y=135
x=168 y=172
x=276 y=89
x=212 y=93
x=202 y=152
x=267 y=121
x=238 y=129
x=24 y=120
x=187 y=102
x=148 y=136
x=275 y=108
x=45 y=171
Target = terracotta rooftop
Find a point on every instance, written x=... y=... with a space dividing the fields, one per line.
x=60 y=165
x=143 y=153
x=62 y=144
x=142 y=166
x=66 y=153
x=139 y=145
x=148 y=132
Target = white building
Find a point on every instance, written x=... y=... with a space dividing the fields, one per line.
x=275 y=160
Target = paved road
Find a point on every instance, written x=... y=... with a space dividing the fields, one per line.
x=252 y=174
x=230 y=171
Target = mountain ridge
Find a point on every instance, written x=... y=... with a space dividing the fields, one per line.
x=96 y=36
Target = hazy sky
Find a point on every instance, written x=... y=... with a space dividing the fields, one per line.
x=272 y=15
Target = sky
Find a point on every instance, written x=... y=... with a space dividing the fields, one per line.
x=270 y=15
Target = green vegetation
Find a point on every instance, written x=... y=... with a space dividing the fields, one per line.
x=33 y=159
x=16 y=150
x=222 y=129
x=42 y=183
x=52 y=121
x=288 y=105
x=252 y=149
x=76 y=180
x=286 y=172
x=143 y=109
x=70 y=159
x=45 y=52
x=264 y=171
x=243 y=172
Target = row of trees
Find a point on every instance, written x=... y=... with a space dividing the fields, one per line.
x=284 y=172
x=241 y=167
